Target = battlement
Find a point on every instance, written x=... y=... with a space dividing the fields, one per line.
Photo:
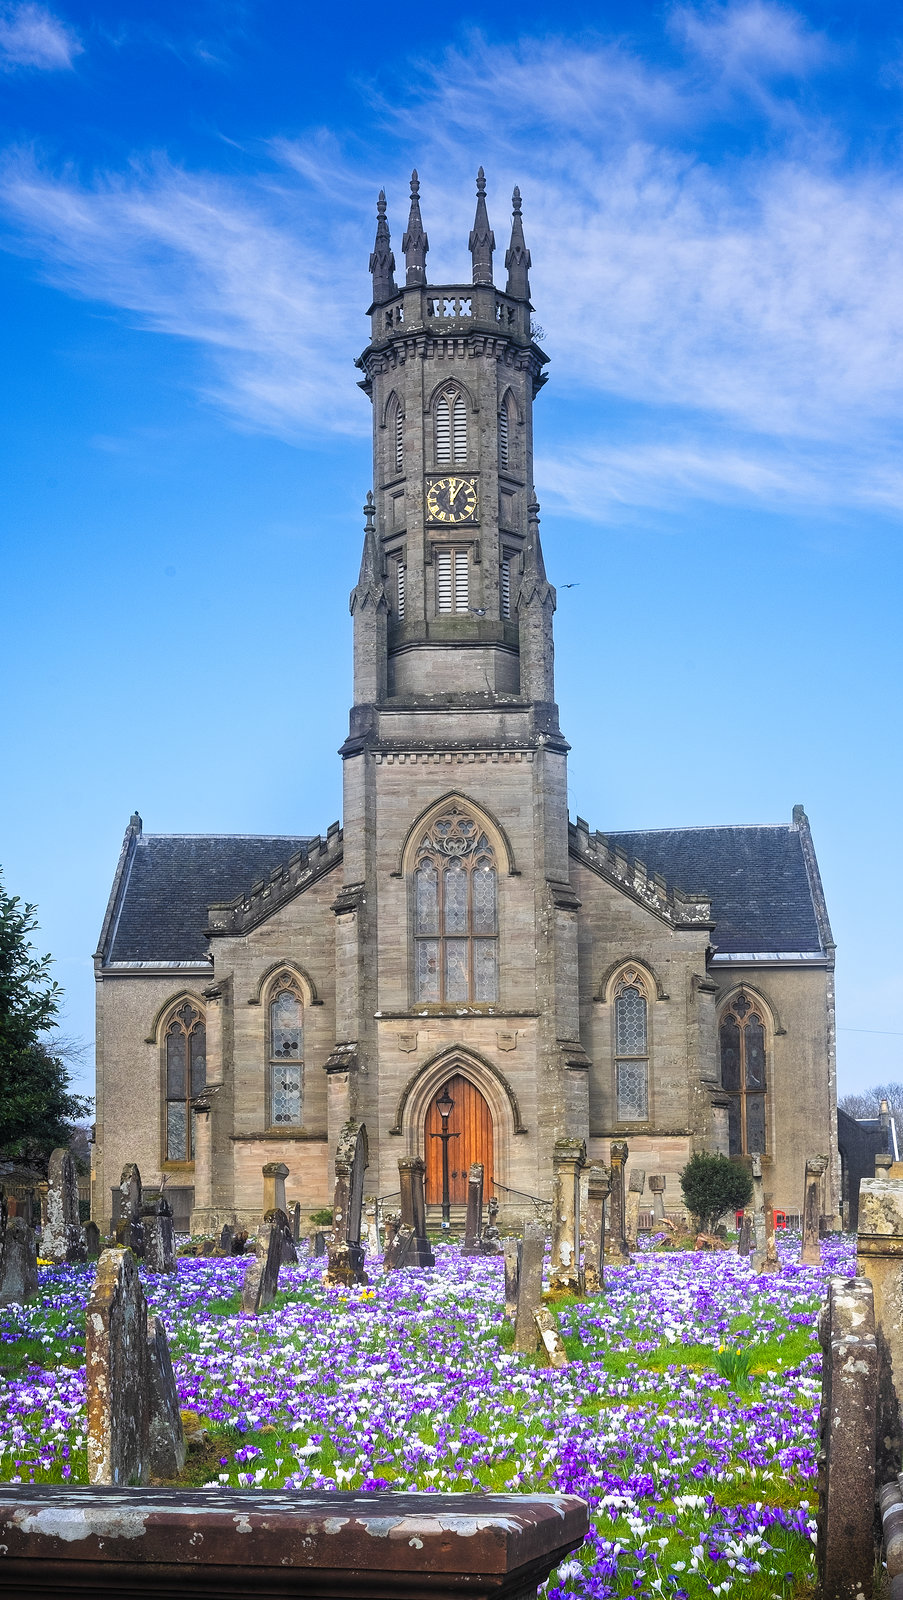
x=264 y=897
x=682 y=910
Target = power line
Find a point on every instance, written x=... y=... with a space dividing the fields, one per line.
x=886 y=1033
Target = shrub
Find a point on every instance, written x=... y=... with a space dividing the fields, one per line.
x=712 y=1185
x=321 y=1219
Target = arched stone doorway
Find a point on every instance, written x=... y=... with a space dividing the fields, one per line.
x=471 y=1122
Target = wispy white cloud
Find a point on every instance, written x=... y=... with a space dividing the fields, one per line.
x=31 y=36
x=756 y=302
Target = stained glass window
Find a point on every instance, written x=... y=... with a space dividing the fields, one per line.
x=186 y=1074
x=744 y=1077
x=286 y=1054
x=631 y=1049
x=455 y=913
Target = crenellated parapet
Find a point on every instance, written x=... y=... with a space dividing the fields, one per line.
x=673 y=905
x=302 y=869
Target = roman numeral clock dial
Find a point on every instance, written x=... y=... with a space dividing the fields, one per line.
x=451 y=500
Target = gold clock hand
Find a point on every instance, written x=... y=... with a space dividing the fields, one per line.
x=453 y=493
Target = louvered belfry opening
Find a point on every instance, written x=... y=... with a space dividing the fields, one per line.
x=451 y=429
x=452 y=581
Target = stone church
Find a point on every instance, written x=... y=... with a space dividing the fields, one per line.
x=670 y=987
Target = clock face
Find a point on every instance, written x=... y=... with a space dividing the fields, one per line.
x=451 y=500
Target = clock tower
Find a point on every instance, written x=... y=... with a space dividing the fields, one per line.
x=456 y=925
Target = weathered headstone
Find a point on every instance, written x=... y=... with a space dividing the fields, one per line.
x=371 y=1217
x=346 y=1255
x=597 y=1192
x=473 y=1226
x=159 y=1240
x=879 y=1251
x=617 y=1250
x=296 y=1222
x=635 y=1187
x=490 y=1237
x=568 y=1160
x=760 y=1243
x=550 y=1337
x=745 y=1240
x=657 y=1188
x=845 y=1549
x=810 y=1254
x=61 y=1239
x=280 y=1220
x=529 y=1287
x=512 y=1251
x=226 y=1238
x=18 y=1263
x=262 y=1277
x=92 y=1241
x=116 y=1360
x=129 y=1230
x=318 y=1247
x=274 y=1176
x=166 y=1439
x=410 y=1246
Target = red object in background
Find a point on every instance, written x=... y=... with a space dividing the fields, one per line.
x=780 y=1219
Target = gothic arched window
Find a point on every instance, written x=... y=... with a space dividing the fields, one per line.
x=185 y=1050
x=451 y=429
x=743 y=1075
x=285 y=1053
x=631 y=1047
x=456 y=954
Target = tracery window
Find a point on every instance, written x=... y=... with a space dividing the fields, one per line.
x=455 y=913
x=631 y=1048
x=185 y=1048
x=743 y=1075
x=286 y=1053
x=451 y=429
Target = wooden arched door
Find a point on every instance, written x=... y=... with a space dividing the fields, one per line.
x=471 y=1122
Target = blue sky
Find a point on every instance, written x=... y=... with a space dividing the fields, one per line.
x=714 y=204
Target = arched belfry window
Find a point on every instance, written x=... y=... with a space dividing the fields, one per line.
x=285 y=1050
x=632 y=1047
x=743 y=1075
x=185 y=1069
x=456 y=956
x=451 y=429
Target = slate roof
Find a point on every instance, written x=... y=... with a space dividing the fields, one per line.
x=756 y=878
x=171 y=879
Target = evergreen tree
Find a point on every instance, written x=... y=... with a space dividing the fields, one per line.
x=37 y=1107
x=712 y=1185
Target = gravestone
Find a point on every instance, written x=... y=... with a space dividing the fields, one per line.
x=879 y=1257
x=262 y=1277
x=635 y=1187
x=274 y=1176
x=529 y=1287
x=18 y=1263
x=745 y=1240
x=550 y=1337
x=490 y=1238
x=61 y=1239
x=810 y=1254
x=279 y=1219
x=759 y=1232
x=296 y=1222
x=166 y=1439
x=657 y=1188
x=92 y=1241
x=410 y=1246
x=227 y=1238
x=597 y=1191
x=473 y=1226
x=129 y=1230
x=512 y=1252
x=617 y=1251
x=159 y=1237
x=845 y=1547
x=568 y=1159
x=346 y=1255
x=116 y=1362
x=318 y=1247
x=371 y=1216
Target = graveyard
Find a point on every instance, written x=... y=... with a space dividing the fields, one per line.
x=684 y=1410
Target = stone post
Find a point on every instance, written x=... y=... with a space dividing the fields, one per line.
x=657 y=1189
x=880 y=1259
x=529 y=1288
x=635 y=1189
x=810 y=1255
x=617 y=1251
x=129 y=1229
x=845 y=1550
x=513 y=1249
x=473 y=1227
x=274 y=1176
x=62 y=1239
x=759 y=1250
x=597 y=1191
x=346 y=1255
x=415 y=1244
x=116 y=1362
x=745 y=1241
x=296 y=1222
x=568 y=1158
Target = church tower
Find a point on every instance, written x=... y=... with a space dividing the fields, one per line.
x=457 y=951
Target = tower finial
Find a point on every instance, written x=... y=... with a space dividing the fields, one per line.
x=482 y=239
x=382 y=261
x=369 y=584
x=415 y=243
x=517 y=256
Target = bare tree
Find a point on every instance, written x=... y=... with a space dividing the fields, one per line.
x=867 y=1103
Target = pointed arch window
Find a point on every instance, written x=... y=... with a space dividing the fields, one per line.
x=451 y=429
x=285 y=1051
x=744 y=1075
x=503 y=436
x=632 y=1047
x=396 y=422
x=456 y=913
x=185 y=1070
